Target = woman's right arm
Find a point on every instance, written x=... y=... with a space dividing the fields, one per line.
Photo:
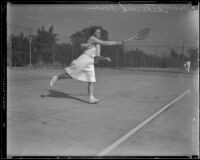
x=106 y=43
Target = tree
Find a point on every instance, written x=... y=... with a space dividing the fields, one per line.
x=63 y=54
x=45 y=43
x=20 y=49
x=193 y=56
x=20 y=43
x=83 y=35
x=174 y=54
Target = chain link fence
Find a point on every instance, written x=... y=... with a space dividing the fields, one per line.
x=24 y=50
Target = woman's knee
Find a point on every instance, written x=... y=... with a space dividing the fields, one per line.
x=90 y=83
x=67 y=75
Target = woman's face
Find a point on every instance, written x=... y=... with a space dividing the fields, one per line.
x=97 y=33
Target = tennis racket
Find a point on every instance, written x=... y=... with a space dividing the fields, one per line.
x=140 y=35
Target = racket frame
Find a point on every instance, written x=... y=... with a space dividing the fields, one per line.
x=135 y=37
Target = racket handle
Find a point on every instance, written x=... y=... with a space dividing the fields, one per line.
x=128 y=39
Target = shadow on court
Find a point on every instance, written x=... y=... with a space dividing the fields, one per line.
x=58 y=121
x=59 y=94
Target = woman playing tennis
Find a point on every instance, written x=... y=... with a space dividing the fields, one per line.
x=82 y=68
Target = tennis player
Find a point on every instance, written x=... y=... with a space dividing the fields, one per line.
x=187 y=65
x=82 y=68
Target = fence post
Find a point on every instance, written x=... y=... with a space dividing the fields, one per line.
x=30 y=40
x=131 y=58
x=156 y=53
x=54 y=54
x=117 y=56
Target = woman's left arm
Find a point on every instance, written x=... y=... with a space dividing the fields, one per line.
x=86 y=45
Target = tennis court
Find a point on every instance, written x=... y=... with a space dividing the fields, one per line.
x=58 y=121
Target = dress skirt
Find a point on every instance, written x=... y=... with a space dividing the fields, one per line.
x=82 y=69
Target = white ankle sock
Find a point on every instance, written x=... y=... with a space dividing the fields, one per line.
x=91 y=97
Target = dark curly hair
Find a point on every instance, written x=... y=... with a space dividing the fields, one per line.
x=93 y=30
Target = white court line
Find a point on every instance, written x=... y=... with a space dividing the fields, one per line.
x=131 y=132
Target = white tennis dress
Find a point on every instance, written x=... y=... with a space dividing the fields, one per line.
x=82 y=68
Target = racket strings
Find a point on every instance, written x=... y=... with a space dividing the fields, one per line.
x=142 y=34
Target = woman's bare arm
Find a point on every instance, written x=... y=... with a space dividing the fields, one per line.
x=107 y=43
x=86 y=45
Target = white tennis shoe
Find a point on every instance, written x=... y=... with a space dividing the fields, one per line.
x=53 y=80
x=93 y=100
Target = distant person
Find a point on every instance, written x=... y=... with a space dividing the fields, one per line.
x=82 y=68
x=187 y=65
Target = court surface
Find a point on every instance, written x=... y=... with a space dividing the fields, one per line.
x=58 y=121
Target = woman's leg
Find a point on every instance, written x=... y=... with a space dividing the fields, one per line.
x=92 y=99
x=64 y=76
x=91 y=89
x=58 y=77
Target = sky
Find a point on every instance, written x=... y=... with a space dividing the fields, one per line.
x=171 y=24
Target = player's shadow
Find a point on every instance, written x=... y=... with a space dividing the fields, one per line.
x=59 y=94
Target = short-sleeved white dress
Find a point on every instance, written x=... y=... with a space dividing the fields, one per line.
x=82 y=68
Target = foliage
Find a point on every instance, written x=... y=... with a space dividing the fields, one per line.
x=45 y=43
x=45 y=51
x=83 y=35
x=193 y=56
x=20 y=45
x=63 y=53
